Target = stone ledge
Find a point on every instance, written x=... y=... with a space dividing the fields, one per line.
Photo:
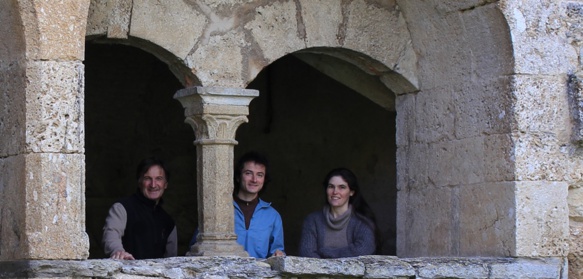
x=291 y=267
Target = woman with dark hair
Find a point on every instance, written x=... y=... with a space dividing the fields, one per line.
x=345 y=227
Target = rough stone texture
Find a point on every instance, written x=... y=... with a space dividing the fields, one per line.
x=575 y=202
x=98 y=17
x=55 y=30
x=12 y=79
x=539 y=36
x=417 y=208
x=12 y=110
x=227 y=44
x=276 y=23
x=542 y=105
x=480 y=109
x=55 y=207
x=46 y=220
x=377 y=30
x=55 y=107
x=576 y=250
x=548 y=233
x=11 y=213
x=213 y=54
x=486 y=219
x=13 y=37
x=327 y=18
x=291 y=267
x=174 y=25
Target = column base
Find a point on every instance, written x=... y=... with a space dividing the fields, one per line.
x=210 y=248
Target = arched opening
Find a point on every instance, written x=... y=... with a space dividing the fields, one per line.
x=307 y=123
x=130 y=114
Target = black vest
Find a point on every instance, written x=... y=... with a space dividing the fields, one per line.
x=147 y=228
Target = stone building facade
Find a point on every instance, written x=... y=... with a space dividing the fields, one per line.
x=483 y=97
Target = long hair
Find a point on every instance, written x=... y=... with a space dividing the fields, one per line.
x=257 y=158
x=359 y=204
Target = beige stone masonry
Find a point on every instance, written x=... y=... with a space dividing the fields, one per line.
x=228 y=43
x=47 y=217
x=215 y=114
x=55 y=29
x=55 y=107
x=542 y=219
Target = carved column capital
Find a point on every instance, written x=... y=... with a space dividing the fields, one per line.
x=215 y=114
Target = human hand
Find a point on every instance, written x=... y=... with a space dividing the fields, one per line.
x=121 y=255
x=278 y=253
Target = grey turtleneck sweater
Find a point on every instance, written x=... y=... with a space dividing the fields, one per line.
x=348 y=235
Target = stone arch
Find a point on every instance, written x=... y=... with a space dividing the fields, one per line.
x=308 y=119
x=457 y=135
x=130 y=114
x=471 y=61
x=185 y=75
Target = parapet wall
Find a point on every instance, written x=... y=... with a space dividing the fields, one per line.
x=292 y=267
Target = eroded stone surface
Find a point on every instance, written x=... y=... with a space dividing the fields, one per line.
x=290 y=267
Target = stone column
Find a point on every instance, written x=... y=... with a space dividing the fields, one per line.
x=215 y=114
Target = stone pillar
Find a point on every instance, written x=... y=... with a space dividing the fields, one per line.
x=42 y=161
x=215 y=114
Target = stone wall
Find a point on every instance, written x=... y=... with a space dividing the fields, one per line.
x=284 y=124
x=488 y=150
x=42 y=206
x=292 y=267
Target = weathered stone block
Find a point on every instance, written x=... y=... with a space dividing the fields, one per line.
x=350 y=267
x=386 y=267
x=434 y=116
x=12 y=34
x=56 y=29
x=379 y=30
x=55 y=107
x=12 y=215
x=414 y=161
x=406 y=118
x=498 y=158
x=529 y=268
x=496 y=60
x=321 y=22
x=444 y=59
x=483 y=107
x=542 y=105
x=98 y=17
x=275 y=30
x=213 y=54
x=426 y=221
x=537 y=32
x=449 y=268
x=531 y=146
x=487 y=219
x=176 y=25
x=54 y=207
x=576 y=250
x=575 y=201
x=542 y=219
x=12 y=109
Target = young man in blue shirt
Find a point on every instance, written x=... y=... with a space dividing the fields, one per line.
x=258 y=225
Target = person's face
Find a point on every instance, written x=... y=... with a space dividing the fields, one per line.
x=153 y=183
x=338 y=192
x=252 y=179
